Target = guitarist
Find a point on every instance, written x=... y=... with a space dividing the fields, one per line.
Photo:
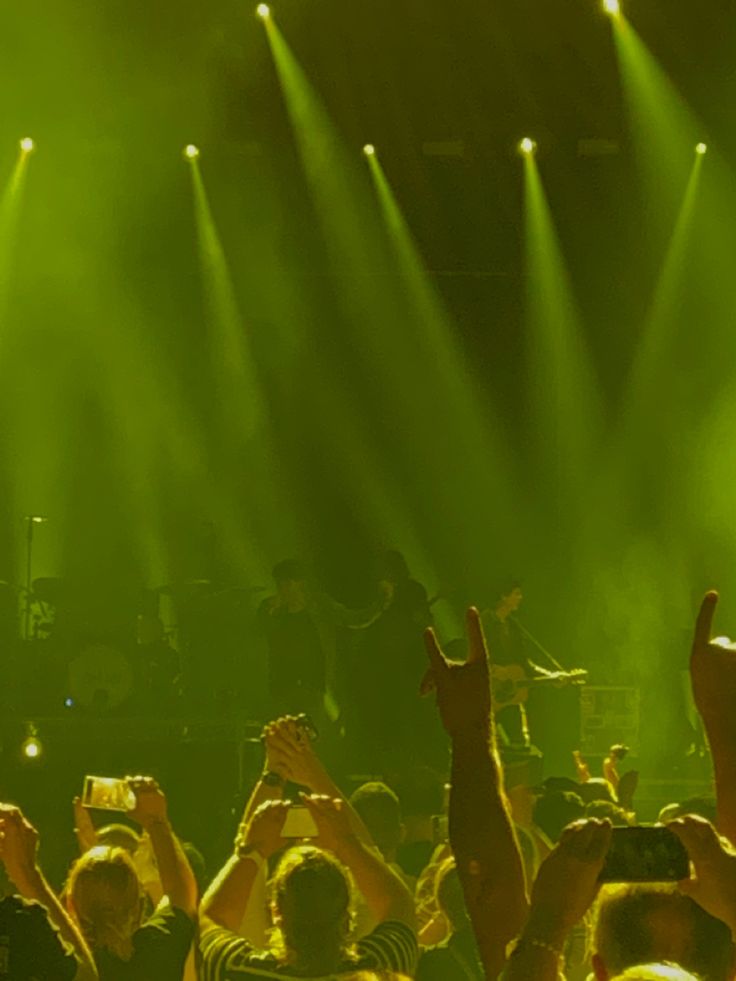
x=506 y=641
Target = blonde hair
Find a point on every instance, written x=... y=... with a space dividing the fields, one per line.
x=106 y=899
x=310 y=895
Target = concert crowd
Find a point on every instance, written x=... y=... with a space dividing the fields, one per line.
x=476 y=872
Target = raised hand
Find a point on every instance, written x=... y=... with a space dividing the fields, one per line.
x=150 y=807
x=714 y=861
x=332 y=817
x=84 y=829
x=463 y=689
x=581 y=766
x=18 y=845
x=567 y=881
x=289 y=752
x=627 y=787
x=264 y=828
x=713 y=671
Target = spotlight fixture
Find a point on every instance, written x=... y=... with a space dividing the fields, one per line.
x=527 y=146
x=263 y=11
x=191 y=152
x=27 y=145
x=31 y=747
x=612 y=7
x=369 y=150
x=701 y=149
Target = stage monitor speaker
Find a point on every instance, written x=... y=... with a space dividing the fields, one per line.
x=608 y=715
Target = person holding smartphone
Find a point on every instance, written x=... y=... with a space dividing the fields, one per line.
x=105 y=897
x=38 y=939
x=310 y=904
x=690 y=923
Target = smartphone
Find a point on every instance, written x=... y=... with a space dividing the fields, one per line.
x=306 y=725
x=108 y=794
x=299 y=823
x=647 y=853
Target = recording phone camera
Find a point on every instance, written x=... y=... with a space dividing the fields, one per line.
x=307 y=726
x=646 y=853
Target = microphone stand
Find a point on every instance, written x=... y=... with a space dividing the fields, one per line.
x=29 y=578
x=542 y=650
x=32 y=519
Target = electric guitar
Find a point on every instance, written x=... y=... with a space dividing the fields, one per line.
x=510 y=684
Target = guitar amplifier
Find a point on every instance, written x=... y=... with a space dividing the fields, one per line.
x=608 y=715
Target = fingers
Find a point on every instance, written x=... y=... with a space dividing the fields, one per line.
x=699 y=837
x=282 y=742
x=286 y=734
x=323 y=809
x=704 y=622
x=271 y=810
x=437 y=660
x=587 y=840
x=320 y=804
x=577 y=836
x=428 y=684
x=142 y=783
x=12 y=818
x=477 y=648
x=600 y=841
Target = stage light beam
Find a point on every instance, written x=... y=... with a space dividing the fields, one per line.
x=701 y=149
x=191 y=152
x=369 y=150
x=263 y=11
x=527 y=146
x=612 y=7
x=27 y=145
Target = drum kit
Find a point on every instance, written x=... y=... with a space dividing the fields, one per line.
x=103 y=649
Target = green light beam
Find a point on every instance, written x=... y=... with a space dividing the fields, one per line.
x=353 y=238
x=644 y=431
x=234 y=375
x=10 y=210
x=563 y=390
x=668 y=292
x=243 y=407
x=408 y=370
x=665 y=128
x=435 y=334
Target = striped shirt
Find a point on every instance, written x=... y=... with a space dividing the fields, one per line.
x=392 y=946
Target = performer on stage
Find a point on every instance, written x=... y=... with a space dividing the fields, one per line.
x=506 y=641
x=300 y=626
x=388 y=721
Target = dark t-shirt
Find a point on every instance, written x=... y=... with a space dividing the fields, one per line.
x=393 y=648
x=414 y=856
x=160 y=950
x=391 y=946
x=506 y=643
x=295 y=656
x=456 y=960
x=30 y=947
